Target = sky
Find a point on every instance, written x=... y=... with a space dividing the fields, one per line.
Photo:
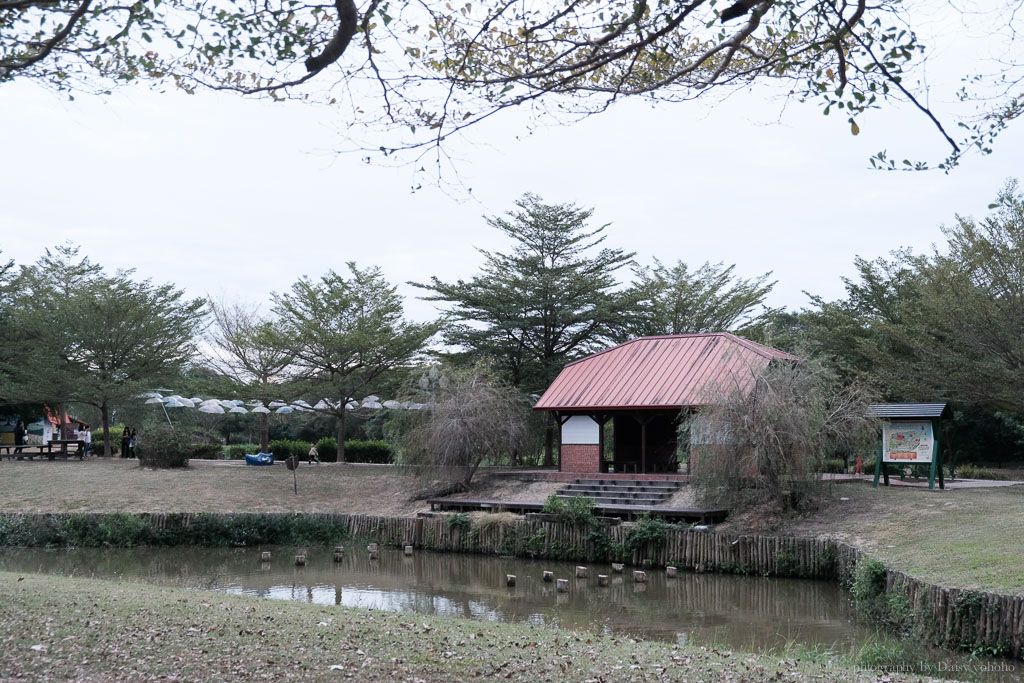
x=236 y=198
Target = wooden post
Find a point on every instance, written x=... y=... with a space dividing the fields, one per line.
x=639 y=576
x=373 y=547
x=549 y=577
x=602 y=579
x=671 y=572
x=643 y=447
x=616 y=568
x=339 y=549
x=881 y=467
x=510 y=580
x=562 y=585
x=265 y=556
x=581 y=572
x=339 y=557
x=300 y=560
x=408 y=550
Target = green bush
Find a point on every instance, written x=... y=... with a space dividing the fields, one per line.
x=115 y=441
x=162 y=446
x=868 y=583
x=239 y=450
x=327 y=447
x=459 y=520
x=833 y=466
x=647 y=532
x=969 y=471
x=578 y=510
x=207 y=451
x=211 y=530
x=378 y=452
x=286 y=448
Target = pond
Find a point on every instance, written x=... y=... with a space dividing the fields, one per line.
x=746 y=613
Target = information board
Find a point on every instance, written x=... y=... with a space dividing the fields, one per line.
x=908 y=443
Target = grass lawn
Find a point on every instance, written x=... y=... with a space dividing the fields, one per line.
x=963 y=538
x=112 y=485
x=54 y=628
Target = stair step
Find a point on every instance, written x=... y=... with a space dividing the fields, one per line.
x=621 y=489
x=625 y=500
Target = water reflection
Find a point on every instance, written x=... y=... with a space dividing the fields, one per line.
x=735 y=611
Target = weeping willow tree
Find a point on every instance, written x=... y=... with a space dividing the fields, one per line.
x=764 y=437
x=468 y=418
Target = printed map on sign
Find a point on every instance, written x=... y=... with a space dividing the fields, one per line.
x=907 y=442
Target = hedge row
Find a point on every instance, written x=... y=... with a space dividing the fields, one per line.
x=378 y=452
x=124 y=530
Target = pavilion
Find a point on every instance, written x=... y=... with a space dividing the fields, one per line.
x=644 y=387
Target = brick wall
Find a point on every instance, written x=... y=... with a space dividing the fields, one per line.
x=581 y=458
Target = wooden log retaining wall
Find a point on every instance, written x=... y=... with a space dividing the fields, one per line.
x=949 y=616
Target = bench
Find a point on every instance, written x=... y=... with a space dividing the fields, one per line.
x=32 y=450
x=29 y=450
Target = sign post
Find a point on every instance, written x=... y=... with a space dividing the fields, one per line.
x=910 y=436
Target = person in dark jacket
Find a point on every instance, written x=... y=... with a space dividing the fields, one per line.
x=19 y=436
x=126 y=436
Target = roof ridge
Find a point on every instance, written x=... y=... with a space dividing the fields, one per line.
x=761 y=349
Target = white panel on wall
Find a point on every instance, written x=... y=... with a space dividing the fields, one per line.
x=580 y=429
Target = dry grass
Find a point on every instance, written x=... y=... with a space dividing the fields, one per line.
x=102 y=485
x=964 y=538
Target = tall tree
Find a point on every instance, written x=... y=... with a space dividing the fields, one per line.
x=242 y=350
x=949 y=324
x=677 y=300
x=967 y=327
x=103 y=340
x=551 y=299
x=438 y=68
x=35 y=295
x=343 y=335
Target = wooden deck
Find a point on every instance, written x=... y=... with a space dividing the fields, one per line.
x=627 y=511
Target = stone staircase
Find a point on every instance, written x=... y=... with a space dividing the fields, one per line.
x=621 y=491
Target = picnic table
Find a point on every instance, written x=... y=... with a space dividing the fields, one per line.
x=64 y=443
x=51 y=449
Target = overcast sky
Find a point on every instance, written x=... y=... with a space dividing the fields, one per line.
x=238 y=198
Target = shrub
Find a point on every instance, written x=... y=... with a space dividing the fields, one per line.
x=647 y=532
x=460 y=520
x=239 y=450
x=378 y=452
x=578 y=510
x=164 y=447
x=207 y=451
x=115 y=441
x=286 y=448
x=969 y=471
x=833 y=466
x=327 y=447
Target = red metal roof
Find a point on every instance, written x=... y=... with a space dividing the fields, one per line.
x=670 y=371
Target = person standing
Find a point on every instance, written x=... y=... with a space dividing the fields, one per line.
x=126 y=436
x=314 y=455
x=131 y=444
x=19 y=437
x=86 y=436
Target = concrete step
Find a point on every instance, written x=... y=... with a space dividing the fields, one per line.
x=622 y=489
x=625 y=484
x=622 y=500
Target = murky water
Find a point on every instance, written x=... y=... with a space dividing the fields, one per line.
x=748 y=613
